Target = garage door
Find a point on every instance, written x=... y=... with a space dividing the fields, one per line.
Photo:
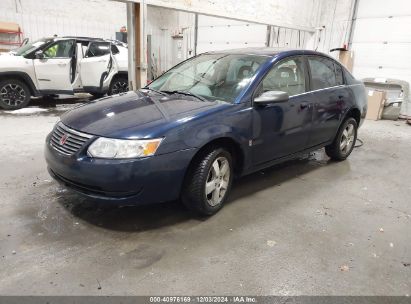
x=215 y=34
x=382 y=41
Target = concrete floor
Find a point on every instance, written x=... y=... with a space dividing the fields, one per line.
x=307 y=227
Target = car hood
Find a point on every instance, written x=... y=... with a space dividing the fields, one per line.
x=140 y=114
x=13 y=62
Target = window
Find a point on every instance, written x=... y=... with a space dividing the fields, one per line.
x=60 y=49
x=31 y=46
x=322 y=73
x=114 y=49
x=97 y=49
x=287 y=76
x=339 y=74
x=219 y=77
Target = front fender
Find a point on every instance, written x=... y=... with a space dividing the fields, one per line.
x=23 y=76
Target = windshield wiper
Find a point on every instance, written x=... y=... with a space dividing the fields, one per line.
x=157 y=91
x=186 y=93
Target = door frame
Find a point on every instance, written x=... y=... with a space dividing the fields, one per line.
x=306 y=93
x=73 y=52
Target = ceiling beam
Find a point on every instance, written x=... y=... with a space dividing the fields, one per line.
x=216 y=10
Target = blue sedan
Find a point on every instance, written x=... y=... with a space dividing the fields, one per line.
x=207 y=120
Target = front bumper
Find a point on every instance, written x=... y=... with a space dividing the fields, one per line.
x=146 y=180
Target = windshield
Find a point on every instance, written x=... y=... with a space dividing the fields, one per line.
x=212 y=76
x=29 y=47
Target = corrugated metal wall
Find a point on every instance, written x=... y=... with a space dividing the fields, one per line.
x=37 y=19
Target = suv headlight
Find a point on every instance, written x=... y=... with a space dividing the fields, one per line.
x=123 y=148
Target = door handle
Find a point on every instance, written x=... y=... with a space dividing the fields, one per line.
x=62 y=64
x=304 y=105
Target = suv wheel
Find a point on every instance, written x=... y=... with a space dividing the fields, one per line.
x=344 y=142
x=14 y=94
x=118 y=85
x=208 y=182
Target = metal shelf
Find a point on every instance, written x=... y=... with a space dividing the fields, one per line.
x=8 y=42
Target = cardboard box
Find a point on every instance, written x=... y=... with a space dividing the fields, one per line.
x=346 y=58
x=376 y=101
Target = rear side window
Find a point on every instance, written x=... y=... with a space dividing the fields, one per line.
x=114 y=49
x=322 y=73
x=97 y=49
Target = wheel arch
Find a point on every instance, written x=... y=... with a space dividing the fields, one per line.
x=119 y=74
x=354 y=113
x=228 y=143
x=23 y=77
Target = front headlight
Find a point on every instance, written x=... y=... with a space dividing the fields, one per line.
x=123 y=148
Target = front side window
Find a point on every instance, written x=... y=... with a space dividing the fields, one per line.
x=97 y=49
x=60 y=49
x=287 y=76
x=322 y=73
x=212 y=76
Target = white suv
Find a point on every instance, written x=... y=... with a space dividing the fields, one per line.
x=64 y=65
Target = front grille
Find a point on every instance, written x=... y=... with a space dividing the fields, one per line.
x=67 y=141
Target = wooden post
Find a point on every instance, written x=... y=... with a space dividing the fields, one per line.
x=137 y=48
x=137 y=66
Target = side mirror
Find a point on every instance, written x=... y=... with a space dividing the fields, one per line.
x=271 y=97
x=39 y=54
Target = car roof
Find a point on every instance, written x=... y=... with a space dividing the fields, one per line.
x=83 y=38
x=268 y=51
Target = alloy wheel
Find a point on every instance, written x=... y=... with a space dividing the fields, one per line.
x=120 y=87
x=217 y=181
x=347 y=139
x=12 y=94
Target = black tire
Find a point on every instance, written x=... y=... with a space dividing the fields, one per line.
x=14 y=94
x=200 y=173
x=335 y=150
x=118 y=85
x=97 y=95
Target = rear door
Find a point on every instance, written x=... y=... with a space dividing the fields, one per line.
x=281 y=129
x=53 y=72
x=98 y=67
x=330 y=96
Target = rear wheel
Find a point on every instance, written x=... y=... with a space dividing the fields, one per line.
x=208 y=182
x=118 y=85
x=344 y=142
x=14 y=94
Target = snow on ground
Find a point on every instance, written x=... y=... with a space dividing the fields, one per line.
x=25 y=111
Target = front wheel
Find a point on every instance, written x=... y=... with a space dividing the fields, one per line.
x=14 y=94
x=118 y=85
x=344 y=142
x=208 y=182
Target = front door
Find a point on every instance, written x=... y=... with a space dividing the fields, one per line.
x=284 y=128
x=53 y=71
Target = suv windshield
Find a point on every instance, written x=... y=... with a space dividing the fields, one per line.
x=31 y=46
x=212 y=76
